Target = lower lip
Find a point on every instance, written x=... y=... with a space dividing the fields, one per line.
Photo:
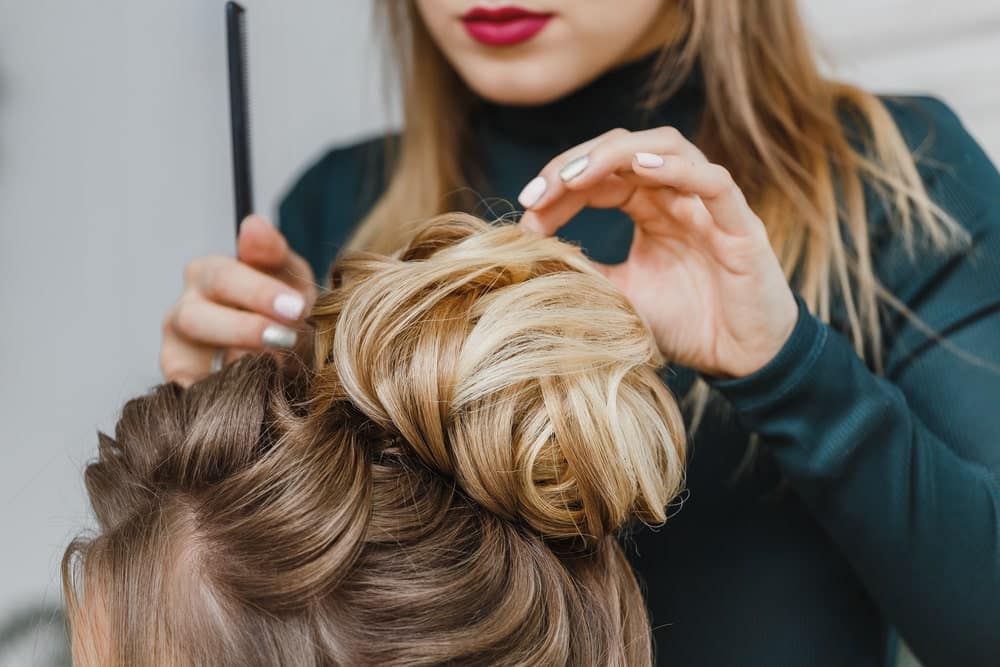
x=504 y=33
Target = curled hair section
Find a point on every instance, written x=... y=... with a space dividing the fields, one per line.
x=440 y=480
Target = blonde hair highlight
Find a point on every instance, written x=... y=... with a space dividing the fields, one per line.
x=443 y=481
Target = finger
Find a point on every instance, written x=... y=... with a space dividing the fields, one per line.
x=182 y=361
x=672 y=206
x=230 y=282
x=612 y=152
x=185 y=363
x=686 y=210
x=711 y=182
x=614 y=192
x=616 y=154
x=616 y=273
x=235 y=355
x=261 y=245
x=298 y=274
x=547 y=186
x=210 y=324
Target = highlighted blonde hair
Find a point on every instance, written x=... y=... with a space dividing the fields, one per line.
x=442 y=482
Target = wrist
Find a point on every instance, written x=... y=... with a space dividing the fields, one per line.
x=784 y=326
x=757 y=355
x=797 y=353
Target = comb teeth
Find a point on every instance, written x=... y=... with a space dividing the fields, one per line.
x=239 y=114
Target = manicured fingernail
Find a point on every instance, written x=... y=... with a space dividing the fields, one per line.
x=289 y=305
x=532 y=192
x=651 y=160
x=276 y=335
x=574 y=168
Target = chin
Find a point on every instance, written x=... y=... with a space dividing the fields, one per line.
x=520 y=84
x=526 y=96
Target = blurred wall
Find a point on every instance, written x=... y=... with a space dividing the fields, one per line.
x=114 y=172
x=949 y=49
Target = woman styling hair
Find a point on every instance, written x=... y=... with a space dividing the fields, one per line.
x=818 y=260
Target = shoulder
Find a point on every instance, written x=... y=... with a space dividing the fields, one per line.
x=330 y=196
x=954 y=168
x=942 y=287
x=958 y=177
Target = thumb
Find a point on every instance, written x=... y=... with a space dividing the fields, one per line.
x=261 y=245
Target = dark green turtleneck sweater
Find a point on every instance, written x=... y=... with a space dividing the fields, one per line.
x=887 y=515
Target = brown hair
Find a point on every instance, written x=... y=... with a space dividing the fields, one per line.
x=442 y=481
x=801 y=147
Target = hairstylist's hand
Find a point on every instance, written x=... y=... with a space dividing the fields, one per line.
x=701 y=270
x=254 y=302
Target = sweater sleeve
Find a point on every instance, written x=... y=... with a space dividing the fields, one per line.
x=903 y=470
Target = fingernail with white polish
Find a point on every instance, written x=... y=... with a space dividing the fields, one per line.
x=276 y=335
x=574 y=168
x=289 y=305
x=532 y=192
x=649 y=160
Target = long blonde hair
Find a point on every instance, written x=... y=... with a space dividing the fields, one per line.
x=801 y=147
x=441 y=483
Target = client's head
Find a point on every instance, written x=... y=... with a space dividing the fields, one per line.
x=441 y=483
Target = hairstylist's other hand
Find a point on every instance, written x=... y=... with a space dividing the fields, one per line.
x=701 y=270
x=255 y=302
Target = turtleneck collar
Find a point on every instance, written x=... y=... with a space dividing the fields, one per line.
x=612 y=100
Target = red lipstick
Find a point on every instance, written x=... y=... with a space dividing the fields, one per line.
x=502 y=26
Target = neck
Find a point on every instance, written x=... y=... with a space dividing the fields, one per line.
x=615 y=99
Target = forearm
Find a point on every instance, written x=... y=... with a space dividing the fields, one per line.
x=920 y=524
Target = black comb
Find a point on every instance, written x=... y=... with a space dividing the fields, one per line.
x=239 y=120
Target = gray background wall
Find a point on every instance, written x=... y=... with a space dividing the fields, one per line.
x=114 y=171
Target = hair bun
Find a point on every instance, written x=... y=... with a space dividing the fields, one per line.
x=509 y=364
x=478 y=402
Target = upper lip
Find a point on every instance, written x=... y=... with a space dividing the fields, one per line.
x=499 y=14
